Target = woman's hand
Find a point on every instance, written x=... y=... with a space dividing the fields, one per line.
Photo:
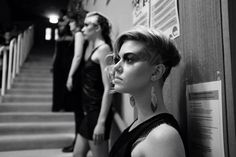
x=98 y=134
x=69 y=83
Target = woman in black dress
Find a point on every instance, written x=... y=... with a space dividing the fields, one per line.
x=62 y=61
x=93 y=132
x=143 y=60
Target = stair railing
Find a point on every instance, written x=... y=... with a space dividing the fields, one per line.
x=13 y=57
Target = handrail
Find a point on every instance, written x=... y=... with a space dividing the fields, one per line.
x=10 y=62
x=3 y=52
x=14 y=56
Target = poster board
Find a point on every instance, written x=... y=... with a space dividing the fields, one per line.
x=164 y=17
x=161 y=15
x=141 y=12
x=205 y=119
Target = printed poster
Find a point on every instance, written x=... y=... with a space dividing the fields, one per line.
x=141 y=12
x=164 y=17
x=205 y=122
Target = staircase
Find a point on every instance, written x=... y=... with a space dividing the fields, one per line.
x=26 y=120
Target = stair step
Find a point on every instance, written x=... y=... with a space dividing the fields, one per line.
x=56 y=152
x=32 y=86
x=25 y=107
x=26 y=103
x=11 y=117
x=33 y=79
x=35 y=69
x=30 y=70
x=35 y=141
x=41 y=60
x=36 y=72
x=36 y=128
x=27 y=98
x=26 y=120
x=38 y=65
x=40 y=75
x=42 y=91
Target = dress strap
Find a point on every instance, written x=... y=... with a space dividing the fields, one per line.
x=95 y=49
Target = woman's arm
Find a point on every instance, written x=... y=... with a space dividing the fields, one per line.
x=106 y=99
x=78 y=53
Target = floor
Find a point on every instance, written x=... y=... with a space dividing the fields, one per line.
x=36 y=153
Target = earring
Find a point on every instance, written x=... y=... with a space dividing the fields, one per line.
x=153 y=100
x=132 y=101
x=154 y=78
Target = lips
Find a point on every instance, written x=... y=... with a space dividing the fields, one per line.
x=117 y=79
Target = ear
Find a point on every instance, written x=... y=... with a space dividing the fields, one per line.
x=98 y=28
x=158 y=72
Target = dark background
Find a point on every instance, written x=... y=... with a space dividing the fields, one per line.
x=23 y=13
x=33 y=9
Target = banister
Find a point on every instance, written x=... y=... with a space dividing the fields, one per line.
x=10 y=62
x=14 y=56
x=4 y=50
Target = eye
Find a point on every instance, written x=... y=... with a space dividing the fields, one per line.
x=130 y=58
x=86 y=24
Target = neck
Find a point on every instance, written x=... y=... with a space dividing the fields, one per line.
x=143 y=105
x=98 y=42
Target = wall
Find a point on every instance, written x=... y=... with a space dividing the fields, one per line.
x=119 y=12
x=201 y=46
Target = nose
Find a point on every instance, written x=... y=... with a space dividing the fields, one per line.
x=118 y=67
x=82 y=30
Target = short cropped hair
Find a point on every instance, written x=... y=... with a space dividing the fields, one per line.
x=159 y=49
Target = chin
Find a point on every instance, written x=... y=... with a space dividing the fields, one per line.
x=119 y=89
x=85 y=37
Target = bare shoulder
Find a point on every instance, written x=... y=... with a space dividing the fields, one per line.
x=79 y=38
x=104 y=48
x=162 y=132
x=163 y=140
x=102 y=51
x=79 y=34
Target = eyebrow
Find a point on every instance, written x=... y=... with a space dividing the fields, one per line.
x=140 y=54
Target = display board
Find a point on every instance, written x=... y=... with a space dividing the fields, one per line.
x=161 y=15
x=205 y=119
x=141 y=12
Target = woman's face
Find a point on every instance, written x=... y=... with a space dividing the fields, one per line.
x=90 y=26
x=72 y=25
x=132 y=72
